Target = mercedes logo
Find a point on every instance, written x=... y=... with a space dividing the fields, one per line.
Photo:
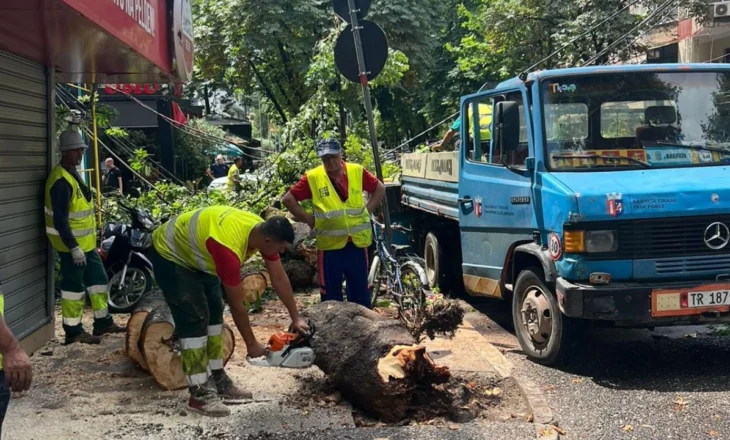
x=717 y=236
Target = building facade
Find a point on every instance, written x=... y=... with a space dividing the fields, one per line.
x=43 y=43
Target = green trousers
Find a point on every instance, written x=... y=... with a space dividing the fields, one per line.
x=196 y=302
x=77 y=282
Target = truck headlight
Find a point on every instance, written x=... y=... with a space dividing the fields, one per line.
x=577 y=242
x=601 y=241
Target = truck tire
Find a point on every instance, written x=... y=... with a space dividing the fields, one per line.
x=545 y=335
x=433 y=253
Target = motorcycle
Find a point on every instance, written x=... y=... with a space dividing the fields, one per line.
x=123 y=254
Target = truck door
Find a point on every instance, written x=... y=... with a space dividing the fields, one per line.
x=496 y=203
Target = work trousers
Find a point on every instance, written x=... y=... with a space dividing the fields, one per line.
x=76 y=283
x=349 y=263
x=196 y=302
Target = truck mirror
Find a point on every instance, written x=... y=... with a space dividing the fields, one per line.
x=507 y=126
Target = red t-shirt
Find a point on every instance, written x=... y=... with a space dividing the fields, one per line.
x=301 y=191
x=227 y=263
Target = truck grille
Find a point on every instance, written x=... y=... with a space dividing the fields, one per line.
x=692 y=265
x=671 y=239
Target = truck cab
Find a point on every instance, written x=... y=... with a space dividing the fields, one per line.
x=596 y=193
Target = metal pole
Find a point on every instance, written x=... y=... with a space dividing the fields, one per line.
x=369 y=110
x=97 y=160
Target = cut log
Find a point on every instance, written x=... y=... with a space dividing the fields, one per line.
x=254 y=286
x=374 y=361
x=160 y=348
x=134 y=325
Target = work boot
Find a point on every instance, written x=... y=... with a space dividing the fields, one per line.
x=227 y=389
x=207 y=402
x=83 y=337
x=106 y=326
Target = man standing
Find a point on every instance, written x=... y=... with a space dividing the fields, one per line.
x=218 y=169
x=192 y=254
x=234 y=175
x=341 y=221
x=113 y=179
x=16 y=373
x=71 y=229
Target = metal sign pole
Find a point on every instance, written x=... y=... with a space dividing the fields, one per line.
x=369 y=110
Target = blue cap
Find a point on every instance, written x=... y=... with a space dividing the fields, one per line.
x=328 y=146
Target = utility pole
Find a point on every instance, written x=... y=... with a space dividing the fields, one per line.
x=369 y=109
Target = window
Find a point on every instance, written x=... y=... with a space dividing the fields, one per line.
x=566 y=122
x=480 y=126
x=622 y=119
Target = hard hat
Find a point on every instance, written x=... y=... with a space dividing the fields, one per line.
x=71 y=140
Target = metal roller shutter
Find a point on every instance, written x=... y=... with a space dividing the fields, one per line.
x=25 y=270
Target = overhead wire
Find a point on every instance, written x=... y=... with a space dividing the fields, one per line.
x=126 y=146
x=592 y=28
x=660 y=23
x=618 y=41
x=190 y=130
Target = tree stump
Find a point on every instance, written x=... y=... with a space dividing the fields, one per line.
x=374 y=361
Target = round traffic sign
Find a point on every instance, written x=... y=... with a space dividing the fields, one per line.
x=375 y=51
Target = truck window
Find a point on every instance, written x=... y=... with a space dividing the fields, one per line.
x=487 y=152
x=622 y=119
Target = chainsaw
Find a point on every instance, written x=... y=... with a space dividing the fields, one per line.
x=287 y=350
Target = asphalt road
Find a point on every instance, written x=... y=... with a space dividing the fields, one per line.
x=628 y=384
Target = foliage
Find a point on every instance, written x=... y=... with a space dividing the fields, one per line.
x=139 y=162
x=197 y=147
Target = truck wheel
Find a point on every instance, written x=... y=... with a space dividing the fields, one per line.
x=434 y=256
x=544 y=333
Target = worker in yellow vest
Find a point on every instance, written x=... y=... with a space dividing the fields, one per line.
x=234 y=175
x=192 y=254
x=71 y=229
x=341 y=221
x=485 y=126
x=16 y=372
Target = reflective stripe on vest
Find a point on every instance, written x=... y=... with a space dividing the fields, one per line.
x=81 y=218
x=337 y=221
x=183 y=238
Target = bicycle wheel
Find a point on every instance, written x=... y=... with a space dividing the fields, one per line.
x=375 y=279
x=412 y=299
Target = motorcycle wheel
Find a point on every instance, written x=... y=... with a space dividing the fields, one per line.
x=137 y=284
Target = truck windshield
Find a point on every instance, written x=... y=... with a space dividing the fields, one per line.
x=657 y=120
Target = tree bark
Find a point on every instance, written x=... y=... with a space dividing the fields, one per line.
x=374 y=361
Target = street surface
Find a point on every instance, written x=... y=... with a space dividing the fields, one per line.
x=672 y=383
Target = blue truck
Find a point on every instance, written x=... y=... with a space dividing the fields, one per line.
x=598 y=194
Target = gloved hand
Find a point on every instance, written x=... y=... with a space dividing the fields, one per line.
x=79 y=256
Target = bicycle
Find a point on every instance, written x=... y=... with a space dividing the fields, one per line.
x=401 y=277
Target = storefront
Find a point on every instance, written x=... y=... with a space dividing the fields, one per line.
x=42 y=43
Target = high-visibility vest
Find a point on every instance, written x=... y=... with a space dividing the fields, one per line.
x=233 y=171
x=182 y=239
x=81 y=217
x=335 y=220
x=485 y=121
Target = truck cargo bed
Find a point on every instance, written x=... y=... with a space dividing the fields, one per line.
x=433 y=196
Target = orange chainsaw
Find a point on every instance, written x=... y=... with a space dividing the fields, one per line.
x=287 y=350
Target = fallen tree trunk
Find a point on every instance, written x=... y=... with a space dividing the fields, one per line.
x=374 y=361
x=160 y=349
x=254 y=285
x=134 y=326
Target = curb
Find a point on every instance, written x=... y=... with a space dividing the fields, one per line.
x=542 y=414
x=546 y=432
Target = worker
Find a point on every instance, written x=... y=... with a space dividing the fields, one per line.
x=485 y=126
x=341 y=221
x=16 y=372
x=192 y=254
x=218 y=169
x=234 y=175
x=71 y=229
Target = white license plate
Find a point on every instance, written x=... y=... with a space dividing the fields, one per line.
x=708 y=299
